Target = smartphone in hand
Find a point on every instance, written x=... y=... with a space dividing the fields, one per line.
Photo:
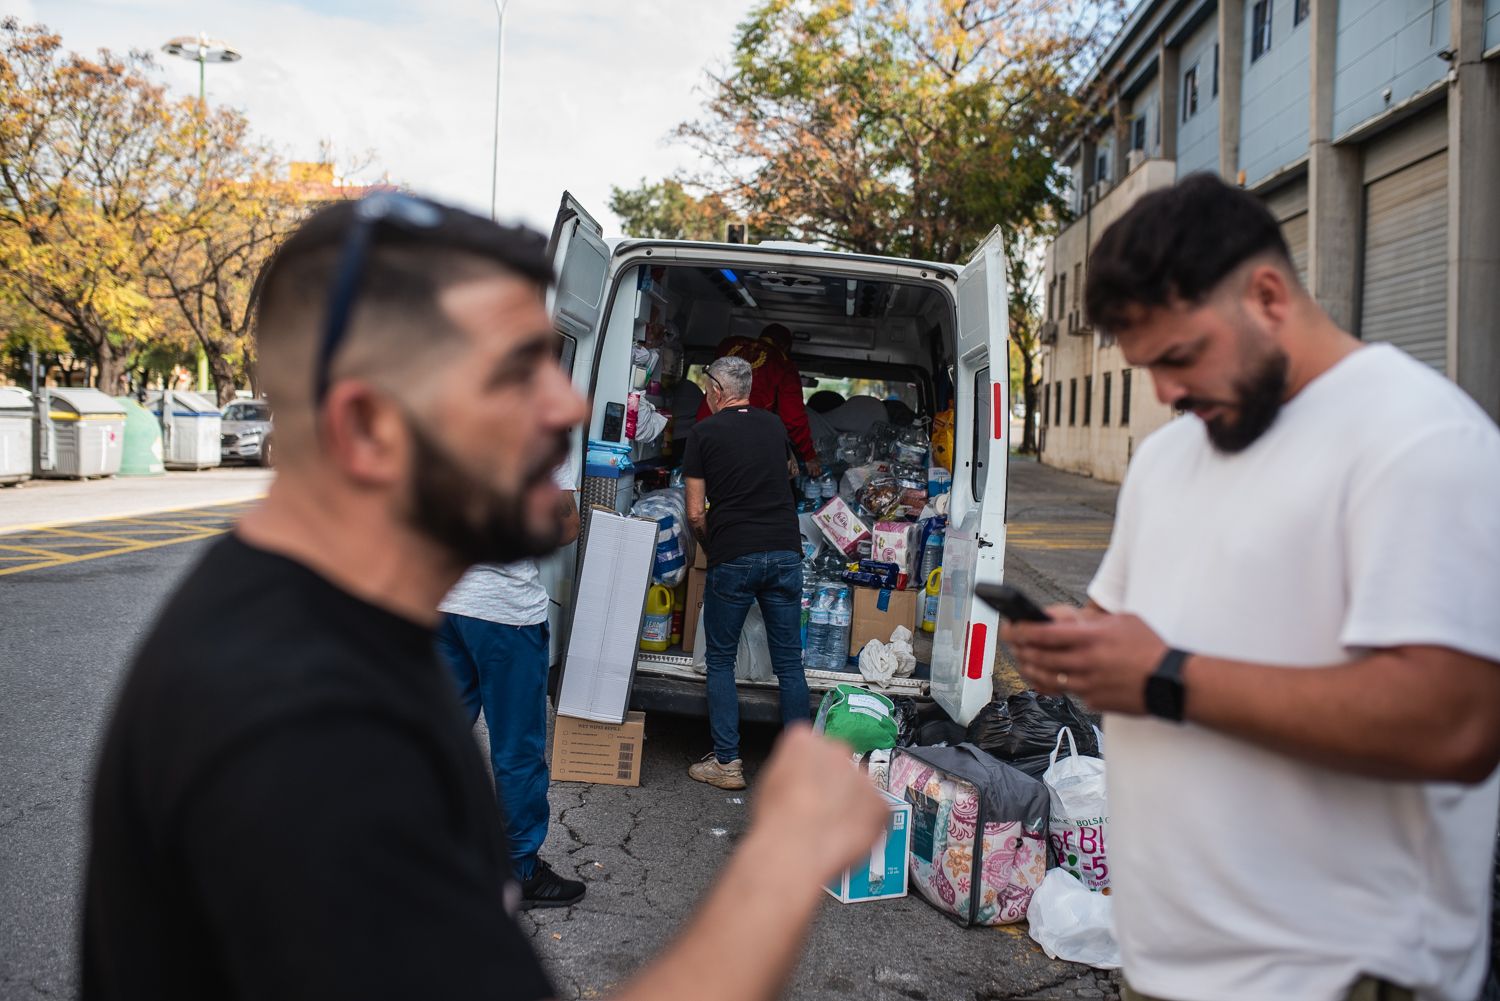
x=1011 y=603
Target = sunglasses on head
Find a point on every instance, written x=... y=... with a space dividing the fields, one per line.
x=374 y=213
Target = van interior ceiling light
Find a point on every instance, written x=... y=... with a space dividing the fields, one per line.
x=739 y=286
x=849 y=297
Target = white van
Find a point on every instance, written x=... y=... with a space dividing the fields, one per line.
x=852 y=316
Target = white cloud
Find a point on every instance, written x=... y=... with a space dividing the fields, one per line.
x=591 y=89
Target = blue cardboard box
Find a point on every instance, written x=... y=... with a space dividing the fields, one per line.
x=883 y=875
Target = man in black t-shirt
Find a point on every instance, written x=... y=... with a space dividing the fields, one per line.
x=288 y=803
x=740 y=462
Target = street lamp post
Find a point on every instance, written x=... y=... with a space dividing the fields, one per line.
x=500 y=6
x=201 y=50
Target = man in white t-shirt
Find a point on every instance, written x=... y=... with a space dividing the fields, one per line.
x=494 y=636
x=1294 y=635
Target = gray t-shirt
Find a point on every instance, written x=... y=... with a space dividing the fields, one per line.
x=508 y=593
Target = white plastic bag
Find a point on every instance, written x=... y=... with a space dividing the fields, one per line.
x=668 y=508
x=880 y=662
x=1069 y=921
x=1079 y=823
x=752 y=661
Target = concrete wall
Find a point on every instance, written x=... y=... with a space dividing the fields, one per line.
x=1274 y=115
x=1386 y=44
x=1198 y=137
x=1148 y=103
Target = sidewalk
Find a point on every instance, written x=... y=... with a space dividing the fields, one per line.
x=1057 y=529
x=59 y=502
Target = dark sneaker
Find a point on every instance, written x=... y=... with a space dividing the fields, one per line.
x=546 y=888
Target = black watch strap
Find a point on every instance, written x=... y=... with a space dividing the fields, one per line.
x=1166 y=698
x=1171 y=665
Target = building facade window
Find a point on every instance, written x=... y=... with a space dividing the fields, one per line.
x=1216 y=70
x=1062 y=296
x=1104 y=411
x=1057 y=407
x=1300 y=10
x=1101 y=169
x=1260 y=29
x=1138 y=134
x=1125 y=398
x=1088 y=399
x=1072 y=402
x=1190 y=92
x=1052 y=299
x=1077 y=283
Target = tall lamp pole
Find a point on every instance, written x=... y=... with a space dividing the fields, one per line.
x=500 y=6
x=201 y=50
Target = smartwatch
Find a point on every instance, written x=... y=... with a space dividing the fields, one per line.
x=1165 y=696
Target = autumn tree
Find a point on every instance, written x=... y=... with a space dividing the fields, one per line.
x=225 y=213
x=82 y=151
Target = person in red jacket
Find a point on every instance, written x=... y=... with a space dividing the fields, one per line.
x=776 y=386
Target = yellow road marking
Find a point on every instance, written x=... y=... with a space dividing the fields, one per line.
x=121 y=551
x=42 y=547
x=207 y=509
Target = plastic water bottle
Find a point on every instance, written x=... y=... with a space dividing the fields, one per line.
x=840 y=619
x=932 y=555
x=827 y=486
x=813 y=654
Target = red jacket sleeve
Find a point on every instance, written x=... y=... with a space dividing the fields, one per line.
x=793 y=412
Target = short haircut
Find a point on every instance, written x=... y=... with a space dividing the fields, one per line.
x=397 y=322
x=734 y=374
x=1177 y=245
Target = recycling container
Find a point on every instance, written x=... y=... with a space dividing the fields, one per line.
x=189 y=430
x=15 y=435
x=80 y=434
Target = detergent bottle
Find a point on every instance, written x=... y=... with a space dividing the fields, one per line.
x=930 y=601
x=656 y=630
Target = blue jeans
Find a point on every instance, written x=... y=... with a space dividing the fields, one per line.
x=775 y=581
x=503 y=670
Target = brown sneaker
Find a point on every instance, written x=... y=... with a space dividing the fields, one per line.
x=715 y=773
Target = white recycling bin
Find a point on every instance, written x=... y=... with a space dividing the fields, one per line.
x=190 y=429
x=16 y=429
x=80 y=434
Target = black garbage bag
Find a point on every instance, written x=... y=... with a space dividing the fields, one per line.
x=991 y=727
x=1023 y=729
x=905 y=714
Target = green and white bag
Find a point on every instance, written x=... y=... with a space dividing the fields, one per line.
x=863 y=719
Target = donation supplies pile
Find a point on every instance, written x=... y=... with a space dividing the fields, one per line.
x=1005 y=820
x=872 y=537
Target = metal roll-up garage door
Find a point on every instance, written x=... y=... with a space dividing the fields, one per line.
x=1405 y=290
x=1289 y=205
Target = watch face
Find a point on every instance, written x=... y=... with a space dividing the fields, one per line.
x=1164 y=698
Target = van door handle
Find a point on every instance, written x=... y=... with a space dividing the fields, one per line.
x=983 y=542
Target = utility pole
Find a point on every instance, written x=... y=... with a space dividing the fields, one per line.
x=500 y=6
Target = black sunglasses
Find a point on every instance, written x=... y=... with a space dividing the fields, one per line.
x=711 y=379
x=383 y=209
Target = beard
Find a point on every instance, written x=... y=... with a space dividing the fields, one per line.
x=1257 y=400
x=472 y=520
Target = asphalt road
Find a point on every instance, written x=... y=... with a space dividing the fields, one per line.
x=648 y=852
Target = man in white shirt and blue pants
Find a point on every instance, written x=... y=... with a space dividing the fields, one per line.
x=495 y=638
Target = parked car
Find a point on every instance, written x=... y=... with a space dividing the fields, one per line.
x=245 y=434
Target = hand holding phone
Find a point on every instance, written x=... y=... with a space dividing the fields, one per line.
x=1011 y=603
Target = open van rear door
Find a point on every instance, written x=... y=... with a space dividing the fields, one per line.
x=580 y=260
x=966 y=640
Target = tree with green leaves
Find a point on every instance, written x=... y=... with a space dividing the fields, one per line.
x=667 y=211
x=901 y=127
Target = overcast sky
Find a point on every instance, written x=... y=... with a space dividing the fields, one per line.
x=591 y=87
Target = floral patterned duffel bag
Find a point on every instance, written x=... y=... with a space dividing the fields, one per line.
x=979 y=831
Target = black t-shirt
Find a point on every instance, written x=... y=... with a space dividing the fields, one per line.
x=289 y=805
x=741 y=455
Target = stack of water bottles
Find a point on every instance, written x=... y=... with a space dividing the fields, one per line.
x=830 y=617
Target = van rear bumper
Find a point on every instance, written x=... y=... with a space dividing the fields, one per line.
x=653 y=693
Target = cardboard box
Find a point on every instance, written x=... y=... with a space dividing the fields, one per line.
x=877 y=613
x=693 y=606
x=607 y=753
x=883 y=875
x=700 y=557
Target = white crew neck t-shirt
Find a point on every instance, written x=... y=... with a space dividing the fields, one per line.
x=1367 y=516
x=511 y=594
